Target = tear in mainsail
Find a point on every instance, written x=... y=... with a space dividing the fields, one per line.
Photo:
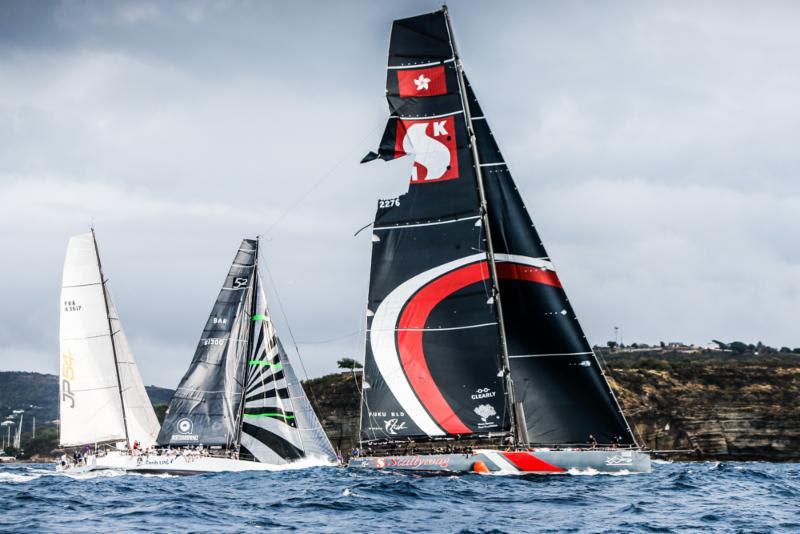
x=240 y=391
x=435 y=355
x=102 y=397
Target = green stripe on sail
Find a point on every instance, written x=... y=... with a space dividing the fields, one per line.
x=259 y=317
x=269 y=414
x=276 y=366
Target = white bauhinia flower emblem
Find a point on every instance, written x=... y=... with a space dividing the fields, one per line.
x=485 y=411
x=422 y=82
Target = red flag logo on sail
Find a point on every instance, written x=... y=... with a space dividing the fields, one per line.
x=430 y=81
x=433 y=145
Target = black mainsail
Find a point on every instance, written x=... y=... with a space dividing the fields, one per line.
x=240 y=392
x=458 y=313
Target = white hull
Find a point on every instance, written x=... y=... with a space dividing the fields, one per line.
x=184 y=464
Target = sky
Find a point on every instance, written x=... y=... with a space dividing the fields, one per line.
x=655 y=144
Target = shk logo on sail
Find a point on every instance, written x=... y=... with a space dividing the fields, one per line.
x=433 y=145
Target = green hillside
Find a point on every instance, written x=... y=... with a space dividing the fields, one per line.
x=37 y=395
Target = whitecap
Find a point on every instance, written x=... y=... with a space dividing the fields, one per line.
x=18 y=477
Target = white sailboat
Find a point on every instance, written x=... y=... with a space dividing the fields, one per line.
x=102 y=398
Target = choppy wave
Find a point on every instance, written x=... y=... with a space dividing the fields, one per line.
x=676 y=496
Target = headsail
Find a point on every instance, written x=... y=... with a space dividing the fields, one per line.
x=91 y=336
x=204 y=408
x=434 y=347
x=279 y=425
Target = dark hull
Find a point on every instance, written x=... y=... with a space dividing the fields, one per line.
x=537 y=461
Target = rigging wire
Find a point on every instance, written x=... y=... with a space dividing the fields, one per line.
x=318 y=182
x=322 y=178
x=331 y=340
x=606 y=370
x=291 y=335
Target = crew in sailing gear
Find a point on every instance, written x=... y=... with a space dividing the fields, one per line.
x=592 y=441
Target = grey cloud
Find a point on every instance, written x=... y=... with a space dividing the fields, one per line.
x=655 y=145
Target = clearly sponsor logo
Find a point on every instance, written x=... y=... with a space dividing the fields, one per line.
x=71 y=305
x=392 y=426
x=483 y=393
x=485 y=411
x=67 y=375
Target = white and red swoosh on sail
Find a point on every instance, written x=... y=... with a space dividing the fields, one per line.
x=401 y=357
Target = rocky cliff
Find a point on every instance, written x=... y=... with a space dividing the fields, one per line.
x=725 y=407
x=743 y=410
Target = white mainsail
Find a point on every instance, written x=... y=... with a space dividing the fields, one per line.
x=91 y=402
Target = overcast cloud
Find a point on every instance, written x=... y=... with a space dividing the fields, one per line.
x=656 y=145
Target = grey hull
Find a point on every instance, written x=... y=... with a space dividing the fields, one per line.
x=537 y=461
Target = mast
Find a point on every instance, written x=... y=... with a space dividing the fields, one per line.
x=473 y=141
x=113 y=345
x=250 y=334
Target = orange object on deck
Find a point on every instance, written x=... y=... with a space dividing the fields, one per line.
x=480 y=467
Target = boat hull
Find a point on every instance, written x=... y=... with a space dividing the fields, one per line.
x=183 y=464
x=537 y=461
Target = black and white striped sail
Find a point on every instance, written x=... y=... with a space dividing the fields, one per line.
x=240 y=391
x=433 y=355
x=278 y=425
x=102 y=396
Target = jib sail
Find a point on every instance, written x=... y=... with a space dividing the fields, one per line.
x=434 y=355
x=278 y=423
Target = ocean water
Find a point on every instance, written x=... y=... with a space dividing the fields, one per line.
x=679 y=497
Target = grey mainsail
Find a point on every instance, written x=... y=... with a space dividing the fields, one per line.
x=204 y=408
x=241 y=391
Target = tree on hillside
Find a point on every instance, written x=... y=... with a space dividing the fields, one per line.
x=161 y=411
x=739 y=348
x=349 y=363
